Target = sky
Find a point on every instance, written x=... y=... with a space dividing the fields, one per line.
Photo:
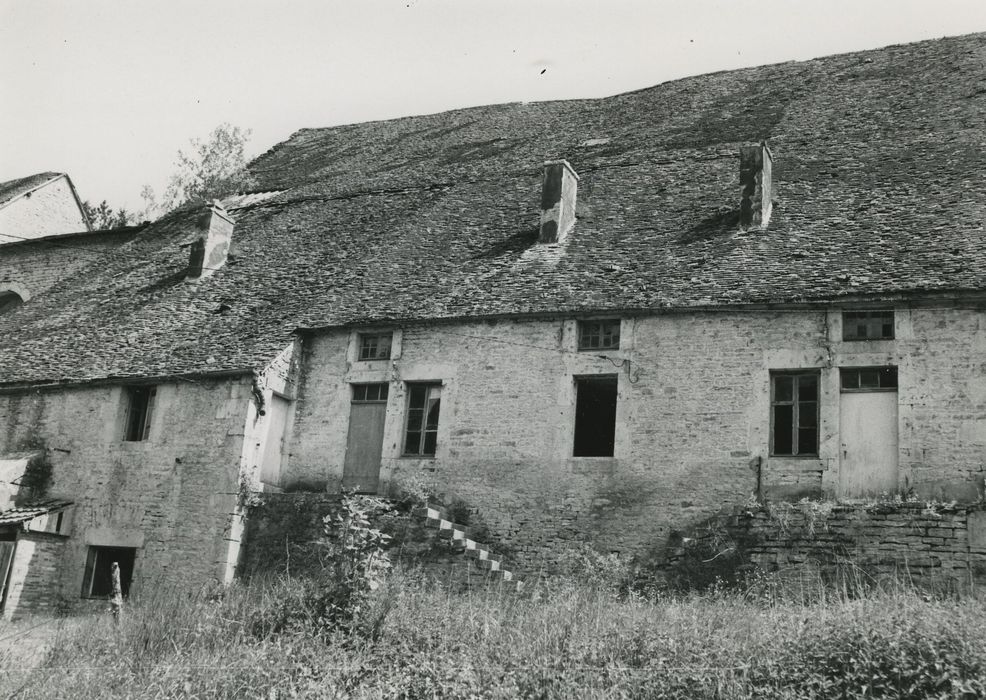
x=109 y=90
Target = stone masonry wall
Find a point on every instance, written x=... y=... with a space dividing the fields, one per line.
x=50 y=209
x=928 y=544
x=30 y=268
x=172 y=496
x=692 y=426
x=34 y=575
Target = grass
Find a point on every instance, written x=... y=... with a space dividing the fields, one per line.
x=560 y=639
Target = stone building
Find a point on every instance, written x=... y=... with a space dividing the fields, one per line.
x=593 y=320
x=39 y=205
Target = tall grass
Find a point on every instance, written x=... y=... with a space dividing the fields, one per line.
x=560 y=639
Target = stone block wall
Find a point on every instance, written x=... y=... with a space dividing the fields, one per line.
x=932 y=545
x=30 y=268
x=174 y=496
x=50 y=209
x=34 y=575
x=693 y=417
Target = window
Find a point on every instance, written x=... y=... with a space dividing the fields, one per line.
x=375 y=346
x=595 y=415
x=868 y=378
x=363 y=393
x=599 y=335
x=98 y=580
x=794 y=414
x=421 y=433
x=868 y=325
x=140 y=400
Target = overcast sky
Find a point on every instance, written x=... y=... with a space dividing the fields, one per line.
x=109 y=90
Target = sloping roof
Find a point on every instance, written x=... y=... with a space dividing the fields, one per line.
x=12 y=189
x=24 y=514
x=880 y=191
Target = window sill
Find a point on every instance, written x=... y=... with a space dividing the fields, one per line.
x=815 y=457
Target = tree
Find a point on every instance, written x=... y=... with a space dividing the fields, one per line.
x=101 y=216
x=211 y=169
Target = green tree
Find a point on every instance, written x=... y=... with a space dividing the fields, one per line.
x=210 y=169
x=102 y=216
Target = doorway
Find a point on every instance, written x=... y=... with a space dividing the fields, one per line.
x=868 y=431
x=364 y=445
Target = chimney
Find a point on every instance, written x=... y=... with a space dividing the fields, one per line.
x=757 y=188
x=210 y=249
x=557 y=201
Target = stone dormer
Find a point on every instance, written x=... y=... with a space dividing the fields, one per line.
x=210 y=249
x=558 y=192
x=756 y=186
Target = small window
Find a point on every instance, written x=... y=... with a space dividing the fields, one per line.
x=369 y=393
x=868 y=325
x=140 y=400
x=868 y=378
x=794 y=414
x=423 y=405
x=98 y=579
x=375 y=346
x=595 y=416
x=599 y=335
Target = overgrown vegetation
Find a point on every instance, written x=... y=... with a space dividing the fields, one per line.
x=557 y=640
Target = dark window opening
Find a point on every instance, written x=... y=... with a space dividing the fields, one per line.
x=794 y=414
x=370 y=393
x=140 y=400
x=421 y=431
x=375 y=346
x=595 y=416
x=9 y=301
x=98 y=580
x=599 y=335
x=868 y=378
x=868 y=325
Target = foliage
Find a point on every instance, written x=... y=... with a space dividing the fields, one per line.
x=348 y=564
x=211 y=169
x=574 y=641
x=36 y=480
x=102 y=217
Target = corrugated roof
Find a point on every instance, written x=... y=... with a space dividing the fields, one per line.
x=24 y=514
x=880 y=191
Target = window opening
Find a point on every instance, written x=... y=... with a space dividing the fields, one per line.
x=794 y=414
x=140 y=400
x=599 y=335
x=375 y=346
x=369 y=393
x=423 y=405
x=868 y=325
x=98 y=579
x=868 y=378
x=595 y=416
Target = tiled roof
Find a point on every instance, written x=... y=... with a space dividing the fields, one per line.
x=880 y=191
x=26 y=513
x=12 y=189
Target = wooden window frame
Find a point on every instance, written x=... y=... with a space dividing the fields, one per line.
x=94 y=557
x=433 y=394
x=597 y=328
x=869 y=317
x=363 y=343
x=796 y=451
x=370 y=392
x=887 y=379
x=140 y=407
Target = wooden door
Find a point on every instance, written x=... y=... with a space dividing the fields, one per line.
x=364 y=446
x=868 y=430
x=277 y=417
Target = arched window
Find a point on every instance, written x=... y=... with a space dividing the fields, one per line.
x=9 y=301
